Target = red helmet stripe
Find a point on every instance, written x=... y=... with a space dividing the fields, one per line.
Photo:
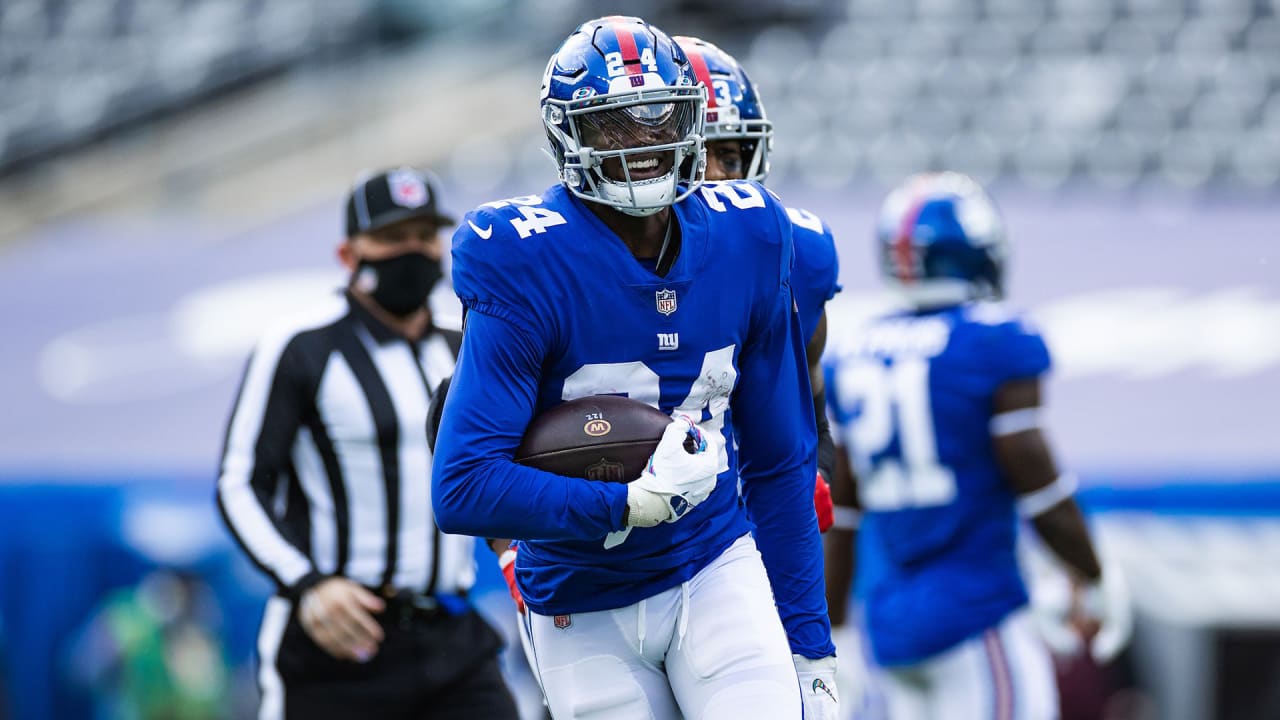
x=627 y=44
x=701 y=72
x=902 y=244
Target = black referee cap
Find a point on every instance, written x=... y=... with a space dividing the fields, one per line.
x=387 y=197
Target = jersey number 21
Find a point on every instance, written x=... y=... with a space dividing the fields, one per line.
x=893 y=402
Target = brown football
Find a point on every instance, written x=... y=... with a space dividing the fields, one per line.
x=598 y=437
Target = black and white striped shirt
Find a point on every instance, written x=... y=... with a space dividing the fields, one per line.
x=326 y=469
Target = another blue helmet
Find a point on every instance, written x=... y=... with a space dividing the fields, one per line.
x=734 y=110
x=941 y=240
x=624 y=115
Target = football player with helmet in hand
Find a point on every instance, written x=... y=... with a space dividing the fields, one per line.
x=939 y=407
x=629 y=277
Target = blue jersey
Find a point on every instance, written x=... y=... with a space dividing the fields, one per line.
x=912 y=397
x=559 y=308
x=814 y=279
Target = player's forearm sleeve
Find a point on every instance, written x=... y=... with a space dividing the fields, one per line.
x=777 y=436
x=259 y=438
x=476 y=488
x=826 y=443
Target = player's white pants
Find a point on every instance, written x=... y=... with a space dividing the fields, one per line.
x=1003 y=674
x=711 y=649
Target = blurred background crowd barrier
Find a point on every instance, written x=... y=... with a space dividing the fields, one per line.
x=171 y=173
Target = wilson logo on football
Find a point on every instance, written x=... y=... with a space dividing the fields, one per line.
x=596 y=428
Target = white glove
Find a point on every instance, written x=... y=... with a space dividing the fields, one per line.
x=1108 y=603
x=677 y=479
x=1052 y=600
x=818 y=687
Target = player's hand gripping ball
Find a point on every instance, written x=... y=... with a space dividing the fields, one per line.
x=680 y=476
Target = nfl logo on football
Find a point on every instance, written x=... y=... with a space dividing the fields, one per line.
x=605 y=471
x=666 y=301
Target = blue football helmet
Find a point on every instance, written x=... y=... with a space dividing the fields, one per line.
x=624 y=114
x=941 y=240
x=734 y=110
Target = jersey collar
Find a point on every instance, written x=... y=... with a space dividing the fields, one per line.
x=692 y=229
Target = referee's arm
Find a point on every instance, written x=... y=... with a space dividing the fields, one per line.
x=260 y=436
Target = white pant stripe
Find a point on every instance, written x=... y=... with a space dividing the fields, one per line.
x=1005 y=673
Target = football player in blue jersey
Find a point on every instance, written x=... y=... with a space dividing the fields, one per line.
x=673 y=595
x=939 y=407
x=739 y=137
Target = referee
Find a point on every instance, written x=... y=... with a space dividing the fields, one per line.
x=325 y=483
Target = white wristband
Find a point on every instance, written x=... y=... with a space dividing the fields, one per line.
x=645 y=508
x=507 y=557
x=1037 y=502
x=845 y=517
x=1015 y=421
x=1093 y=603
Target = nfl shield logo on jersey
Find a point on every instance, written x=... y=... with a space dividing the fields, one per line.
x=561 y=621
x=407 y=189
x=666 y=301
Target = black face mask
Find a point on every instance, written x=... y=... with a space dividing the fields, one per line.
x=399 y=284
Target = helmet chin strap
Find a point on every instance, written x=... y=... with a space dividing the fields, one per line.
x=632 y=192
x=638 y=212
x=665 y=259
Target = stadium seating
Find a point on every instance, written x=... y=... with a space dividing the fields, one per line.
x=76 y=69
x=1108 y=92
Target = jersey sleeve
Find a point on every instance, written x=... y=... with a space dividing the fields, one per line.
x=773 y=417
x=814 y=277
x=1019 y=351
x=256 y=457
x=491 y=265
x=830 y=283
x=476 y=487
x=816 y=246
